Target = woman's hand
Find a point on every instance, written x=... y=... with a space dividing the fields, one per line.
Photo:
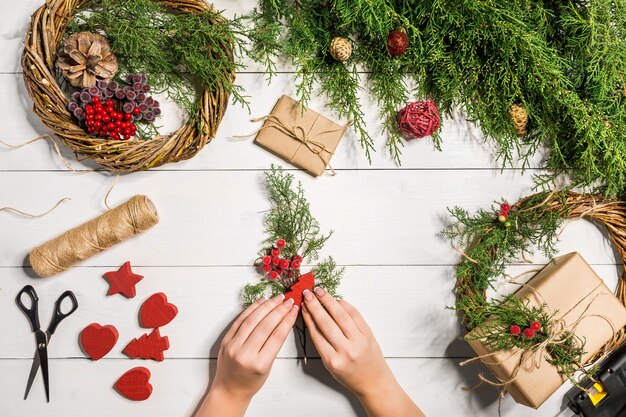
x=351 y=354
x=246 y=356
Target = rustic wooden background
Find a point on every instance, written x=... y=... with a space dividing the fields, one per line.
x=387 y=219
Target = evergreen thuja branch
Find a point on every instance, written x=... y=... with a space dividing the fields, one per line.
x=290 y=219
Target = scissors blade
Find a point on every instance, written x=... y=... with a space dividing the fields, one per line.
x=43 y=356
x=33 y=373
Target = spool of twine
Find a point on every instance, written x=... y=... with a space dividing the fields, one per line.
x=114 y=226
x=340 y=49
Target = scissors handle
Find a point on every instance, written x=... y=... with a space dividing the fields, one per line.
x=59 y=315
x=31 y=313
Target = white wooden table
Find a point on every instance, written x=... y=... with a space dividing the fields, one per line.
x=399 y=271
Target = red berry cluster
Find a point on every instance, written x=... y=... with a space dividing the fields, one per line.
x=503 y=215
x=529 y=331
x=275 y=266
x=104 y=120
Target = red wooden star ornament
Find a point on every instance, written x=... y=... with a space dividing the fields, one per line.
x=123 y=281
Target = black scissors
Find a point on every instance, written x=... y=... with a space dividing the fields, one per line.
x=42 y=338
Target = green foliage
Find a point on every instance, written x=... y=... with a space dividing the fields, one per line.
x=563 y=61
x=290 y=219
x=564 y=350
x=179 y=52
x=490 y=246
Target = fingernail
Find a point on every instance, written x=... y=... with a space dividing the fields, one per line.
x=295 y=308
x=288 y=301
x=307 y=295
x=278 y=298
x=319 y=291
x=262 y=299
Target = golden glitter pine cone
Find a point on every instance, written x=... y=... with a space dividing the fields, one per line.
x=86 y=58
x=340 y=49
x=519 y=116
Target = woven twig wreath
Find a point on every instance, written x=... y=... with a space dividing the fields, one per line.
x=47 y=29
x=601 y=211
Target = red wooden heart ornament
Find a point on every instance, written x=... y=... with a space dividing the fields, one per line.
x=135 y=384
x=305 y=282
x=98 y=340
x=156 y=311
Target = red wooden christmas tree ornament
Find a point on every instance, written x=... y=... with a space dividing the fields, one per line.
x=148 y=346
x=156 y=311
x=135 y=384
x=305 y=282
x=123 y=281
x=98 y=340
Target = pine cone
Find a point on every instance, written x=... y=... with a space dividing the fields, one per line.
x=519 y=116
x=86 y=58
x=340 y=49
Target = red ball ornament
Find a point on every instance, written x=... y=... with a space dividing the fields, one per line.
x=297 y=258
x=529 y=333
x=275 y=260
x=275 y=252
x=295 y=264
x=397 y=42
x=515 y=329
x=280 y=243
x=419 y=119
x=505 y=207
x=284 y=264
x=266 y=260
x=535 y=325
x=267 y=268
x=273 y=275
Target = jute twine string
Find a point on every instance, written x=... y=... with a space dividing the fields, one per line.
x=34 y=216
x=47 y=30
x=38 y=138
x=298 y=133
x=114 y=226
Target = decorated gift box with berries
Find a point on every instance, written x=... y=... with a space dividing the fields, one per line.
x=293 y=243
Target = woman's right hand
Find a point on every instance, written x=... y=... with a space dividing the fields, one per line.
x=352 y=355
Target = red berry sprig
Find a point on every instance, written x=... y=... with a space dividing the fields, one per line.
x=275 y=266
x=104 y=120
x=503 y=215
x=529 y=332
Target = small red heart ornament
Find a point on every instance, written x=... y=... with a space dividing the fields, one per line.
x=305 y=282
x=98 y=340
x=135 y=384
x=156 y=311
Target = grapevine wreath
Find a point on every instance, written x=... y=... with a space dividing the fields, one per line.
x=46 y=61
x=494 y=238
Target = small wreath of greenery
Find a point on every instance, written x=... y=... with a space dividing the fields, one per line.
x=495 y=238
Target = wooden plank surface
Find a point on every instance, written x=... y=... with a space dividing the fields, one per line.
x=386 y=220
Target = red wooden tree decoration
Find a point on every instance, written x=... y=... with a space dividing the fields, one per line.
x=123 y=281
x=148 y=346
x=156 y=311
x=135 y=384
x=305 y=282
x=98 y=340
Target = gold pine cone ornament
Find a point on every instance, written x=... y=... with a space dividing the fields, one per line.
x=86 y=58
x=340 y=49
x=519 y=117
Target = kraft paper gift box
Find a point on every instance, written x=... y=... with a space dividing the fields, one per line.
x=568 y=286
x=300 y=135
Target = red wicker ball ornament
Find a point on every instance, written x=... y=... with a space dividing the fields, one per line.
x=397 y=42
x=419 y=119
